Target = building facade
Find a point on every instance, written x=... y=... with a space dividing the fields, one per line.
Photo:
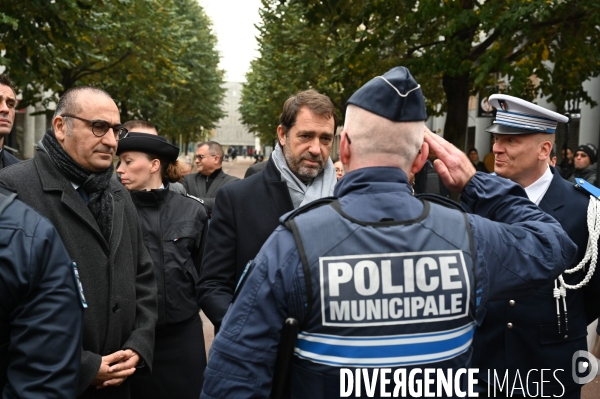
x=230 y=131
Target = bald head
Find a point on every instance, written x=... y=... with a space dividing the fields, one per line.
x=377 y=141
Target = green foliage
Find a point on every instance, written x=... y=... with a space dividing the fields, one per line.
x=157 y=58
x=454 y=48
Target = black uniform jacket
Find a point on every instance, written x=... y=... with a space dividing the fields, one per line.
x=533 y=339
x=246 y=212
x=117 y=277
x=173 y=229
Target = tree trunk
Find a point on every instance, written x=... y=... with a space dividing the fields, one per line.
x=124 y=116
x=457 y=116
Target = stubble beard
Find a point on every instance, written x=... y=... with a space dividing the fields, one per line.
x=304 y=173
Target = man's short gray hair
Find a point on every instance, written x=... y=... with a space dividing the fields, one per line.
x=213 y=147
x=375 y=137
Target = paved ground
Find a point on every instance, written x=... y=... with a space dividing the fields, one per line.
x=238 y=168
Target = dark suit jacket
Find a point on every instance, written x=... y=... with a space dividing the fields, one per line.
x=534 y=341
x=256 y=168
x=117 y=277
x=195 y=184
x=246 y=213
x=8 y=158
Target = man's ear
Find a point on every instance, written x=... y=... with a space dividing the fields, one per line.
x=281 y=135
x=545 y=149
x=420 y=159
x=60 y=128
x=344 y=149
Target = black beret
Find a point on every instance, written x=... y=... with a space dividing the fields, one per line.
x=590 y=150
x=150 y=144
x=395 y=96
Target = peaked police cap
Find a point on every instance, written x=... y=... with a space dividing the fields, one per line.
x=517 y=116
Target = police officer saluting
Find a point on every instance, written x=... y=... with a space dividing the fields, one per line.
x=379 y=278
x=519 y=338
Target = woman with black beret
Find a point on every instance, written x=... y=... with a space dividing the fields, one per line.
x=173 y=227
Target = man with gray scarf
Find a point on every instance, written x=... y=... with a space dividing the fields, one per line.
x=246 y=212
x=69 y=182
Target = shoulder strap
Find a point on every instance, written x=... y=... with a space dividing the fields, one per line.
x=6 y=198
x=590 y=188
x=291 y=225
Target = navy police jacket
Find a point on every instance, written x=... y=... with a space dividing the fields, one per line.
x=41 y=315
x=243 y=354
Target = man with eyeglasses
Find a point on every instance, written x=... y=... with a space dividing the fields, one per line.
x=210 y=177
x=8 y=103
x=69 y=182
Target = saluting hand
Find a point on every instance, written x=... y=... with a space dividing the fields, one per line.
x=452 y=165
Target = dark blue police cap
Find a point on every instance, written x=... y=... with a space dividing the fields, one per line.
x=395 y=96
x=150 y=144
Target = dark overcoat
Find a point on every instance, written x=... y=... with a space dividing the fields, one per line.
x=117 y=278
x=195 y=184
x=245 y=215
x=524 y=333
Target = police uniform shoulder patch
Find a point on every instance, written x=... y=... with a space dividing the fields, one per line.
x=308 y=207
x=589 y=188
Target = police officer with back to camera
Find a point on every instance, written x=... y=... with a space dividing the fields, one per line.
x=543 y=330
x=379 y=263
x=41 y=307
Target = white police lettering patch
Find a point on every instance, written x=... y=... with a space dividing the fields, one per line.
x=388 y=289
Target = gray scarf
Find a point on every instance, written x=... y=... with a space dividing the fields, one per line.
x=302 y=194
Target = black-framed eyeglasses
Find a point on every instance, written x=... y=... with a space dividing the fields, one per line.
x=100 y=127
x=202 y=156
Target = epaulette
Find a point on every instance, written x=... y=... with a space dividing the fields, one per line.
x=590 y=188
x=196 y=198
x=440 y=200
x=308 y=207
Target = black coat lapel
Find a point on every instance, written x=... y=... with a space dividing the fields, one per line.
x=553 y=198
x=277 y=188
x=53 y=181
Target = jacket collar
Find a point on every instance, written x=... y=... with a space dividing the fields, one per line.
x=372 y=180
x=152 y=198
x=554 y=197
